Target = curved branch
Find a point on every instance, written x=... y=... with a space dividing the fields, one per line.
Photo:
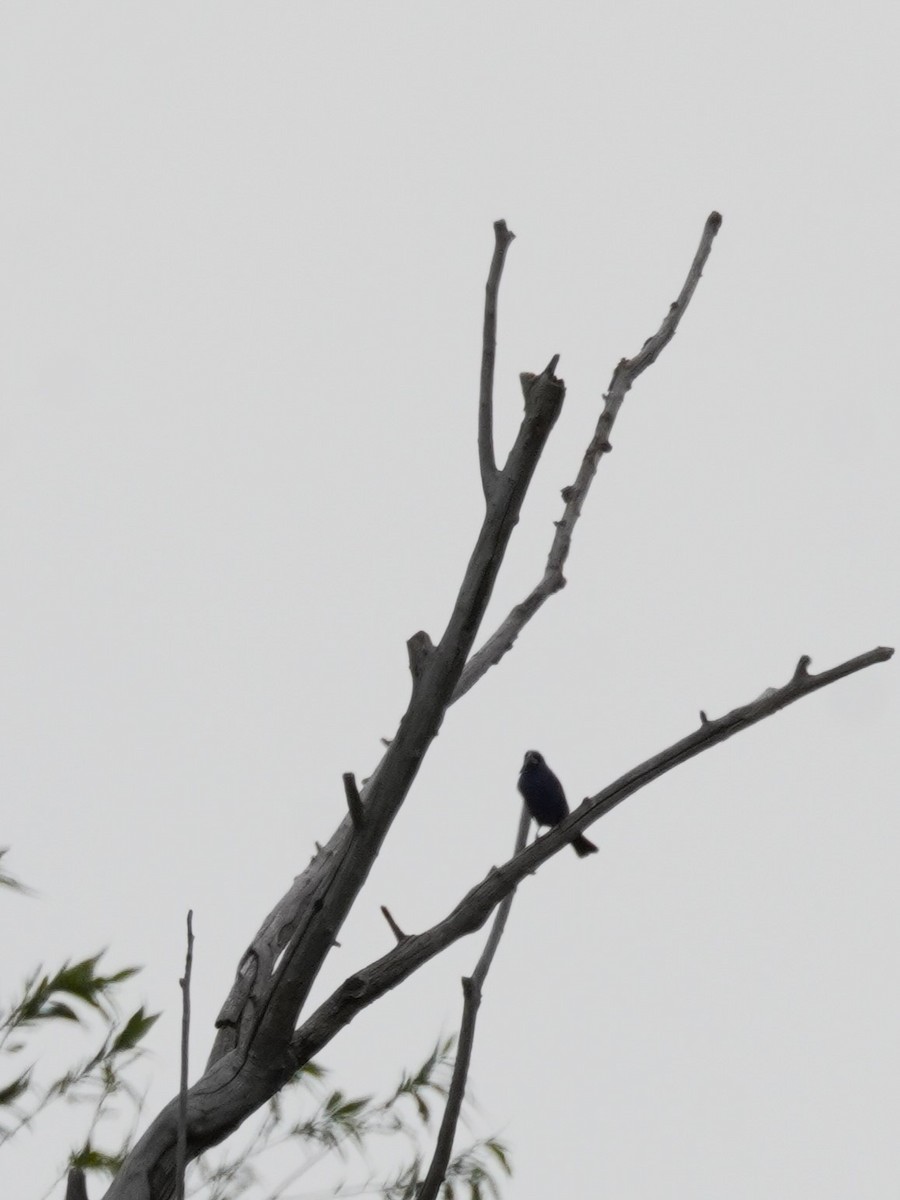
x=373 y=981
x=627 y=371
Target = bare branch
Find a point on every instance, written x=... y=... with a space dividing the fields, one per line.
x=185 y=984
x=630 y=368
x=471 y=1001
x=443 y=1146
x=490 y=946
x=502 y=239
x=351 y=791
x=574 y=496
x=472 y=911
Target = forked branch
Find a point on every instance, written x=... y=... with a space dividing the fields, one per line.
x=574 y=496
x=473 y=910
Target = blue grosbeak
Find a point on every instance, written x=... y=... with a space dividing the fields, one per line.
x=545 y=799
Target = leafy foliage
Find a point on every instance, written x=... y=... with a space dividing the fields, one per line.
x=309 y=1121
x=10 y=881
x=327 y=1122
x=80 y=996
x=77 y=994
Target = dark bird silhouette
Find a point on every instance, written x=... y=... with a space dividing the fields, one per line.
x=545 y=799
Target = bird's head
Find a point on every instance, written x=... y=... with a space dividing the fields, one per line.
x=532 y=759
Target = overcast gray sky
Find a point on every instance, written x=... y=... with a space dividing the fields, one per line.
x=244 y=256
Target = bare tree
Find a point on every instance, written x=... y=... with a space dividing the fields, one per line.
x=259 y=1044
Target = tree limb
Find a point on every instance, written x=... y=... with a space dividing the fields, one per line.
x=473 y=910
x=504 y=637
x=472 y=988
x=252 y=1057
x=502 y=239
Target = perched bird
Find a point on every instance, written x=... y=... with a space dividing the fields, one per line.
x=546 y=800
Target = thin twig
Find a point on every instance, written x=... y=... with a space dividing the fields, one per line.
x=185 y=985
x=443 y=1146
x=367 y=985
x=502 y=239
x=472 y=987
x=627 y=371
x=490 y=947
x=395 y=928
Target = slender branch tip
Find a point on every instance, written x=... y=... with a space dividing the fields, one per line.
x=181 y=1125
x=486 y=460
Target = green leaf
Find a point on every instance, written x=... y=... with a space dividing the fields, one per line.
x=57 y=1008
x=500 y=1152
x=135 y=1029
x=314 y=1070
x=91 y=1159
x=18 y=1087
x=349 y=1110
x=10 y=881
x=82 y=981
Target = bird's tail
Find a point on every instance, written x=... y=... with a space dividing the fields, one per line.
x=582 y=845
